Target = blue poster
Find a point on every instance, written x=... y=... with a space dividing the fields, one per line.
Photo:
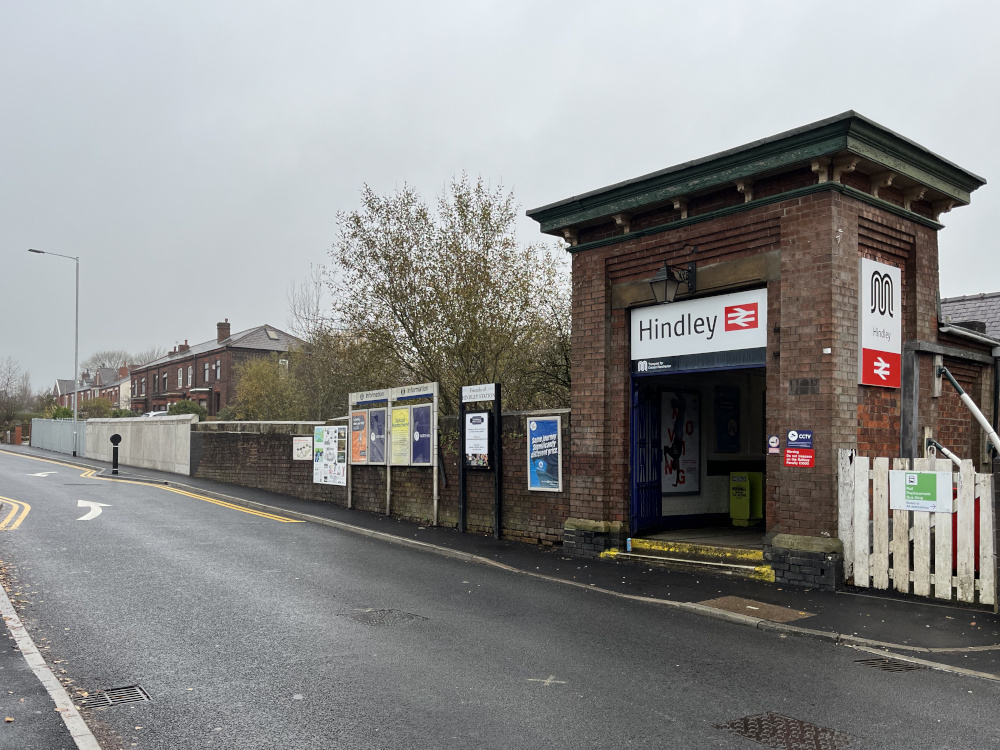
x=376 y=442
x=727 y=419
x=420 y=423
x=545 y=454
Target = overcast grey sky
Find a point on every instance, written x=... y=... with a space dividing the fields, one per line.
x=194 y=154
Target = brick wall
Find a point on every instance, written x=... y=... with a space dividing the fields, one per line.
x=264 y=460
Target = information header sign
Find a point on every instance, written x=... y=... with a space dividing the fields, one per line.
x=880 y=332
x=422 y=390
x=369 y=397
x=474 y=393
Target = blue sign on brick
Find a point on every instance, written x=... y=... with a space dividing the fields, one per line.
x=799 y=439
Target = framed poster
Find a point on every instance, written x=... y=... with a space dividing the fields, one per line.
x=545 y=454
x=727 y=419
x=681 y=434
x=330 y=455
x=477 y=440
x=359 y=436
x=376 y=436
x=400 y=441
x=422 y=437
x=302 y=448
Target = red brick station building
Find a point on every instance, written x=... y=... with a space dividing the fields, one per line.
x=803 y=272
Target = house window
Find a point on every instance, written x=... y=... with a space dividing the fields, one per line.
x=206 y=372
x=218 y=369
x=190 y=375
x=144 y=386
x=180 y=377
x=165 y=388
x=156 y=383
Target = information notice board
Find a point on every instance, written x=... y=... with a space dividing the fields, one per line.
x=330 y=455
x=400 y=441
x=545 y=454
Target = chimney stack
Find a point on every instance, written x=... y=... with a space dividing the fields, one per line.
x=223 y=330
x=183 y=347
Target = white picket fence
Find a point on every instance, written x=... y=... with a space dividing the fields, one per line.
x=913 y=549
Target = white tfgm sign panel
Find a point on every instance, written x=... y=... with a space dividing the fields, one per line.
x=880 y=334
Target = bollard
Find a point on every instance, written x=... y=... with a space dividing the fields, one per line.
x=115 y=439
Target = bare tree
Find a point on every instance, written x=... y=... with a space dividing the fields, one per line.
x=115 y=358
x=15 y=391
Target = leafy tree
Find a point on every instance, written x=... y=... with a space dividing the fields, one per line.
x=94 y=408
x=188 y=407
x=451 y=296
x=122 y=413
x=266 y=391
x=59 y=412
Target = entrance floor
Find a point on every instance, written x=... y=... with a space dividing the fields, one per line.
x=725 y=536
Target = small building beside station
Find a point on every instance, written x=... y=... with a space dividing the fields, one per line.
x=739 y=318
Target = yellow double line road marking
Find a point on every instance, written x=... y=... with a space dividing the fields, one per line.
x=13 y=520
x=91 y=474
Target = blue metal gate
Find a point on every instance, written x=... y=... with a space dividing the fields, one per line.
x=647 y=458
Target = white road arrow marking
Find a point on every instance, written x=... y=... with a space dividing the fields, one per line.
x=43 y=473
x=95 y=509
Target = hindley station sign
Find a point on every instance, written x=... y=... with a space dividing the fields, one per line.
x=729 y=330
x=880 y=334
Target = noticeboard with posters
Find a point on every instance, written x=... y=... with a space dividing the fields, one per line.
x=302 y=448
x=359 y=436
x=420 y=417
x=376 y=436
x=545 y=454
x=399 y=450
x=330 y=455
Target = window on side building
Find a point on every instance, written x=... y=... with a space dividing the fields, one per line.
x=218 y=369
x=190 y=375
x=180 y=377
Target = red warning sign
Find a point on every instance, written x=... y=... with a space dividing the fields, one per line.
x=804 y=457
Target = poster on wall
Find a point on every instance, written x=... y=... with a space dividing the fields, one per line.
x=880 y=334
x=359 y=437
x=376 y=436
x=400 y=442
x=477 y=440
x=727 y=419
x=545 y=454
x=302 y=448
x=421 y=449
x=330 y=455
x=681 y=434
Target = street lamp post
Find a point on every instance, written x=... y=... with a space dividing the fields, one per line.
x=76 y=336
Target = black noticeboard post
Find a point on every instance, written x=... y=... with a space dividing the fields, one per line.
x=115 y=439
x=480 y=446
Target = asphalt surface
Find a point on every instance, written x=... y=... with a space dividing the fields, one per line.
x=247 y=632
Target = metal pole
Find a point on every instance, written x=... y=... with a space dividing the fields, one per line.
x=983 y=421
x=932 y=443
x=498 y=469
x=388 y=455
x=434 y=450
x=76 y=355
x=461 y=463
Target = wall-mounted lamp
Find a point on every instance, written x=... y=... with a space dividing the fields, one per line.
x=668 y=280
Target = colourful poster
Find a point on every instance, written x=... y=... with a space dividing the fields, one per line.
x=400 y=442
x=330 y=455
x=477 y=440
x=359 y=437
x=376 y=436
x=681 y=436
x=422 y=438
x=545 y=454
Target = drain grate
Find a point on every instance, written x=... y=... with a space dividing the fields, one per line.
x=382 y=617
x=890 y=665
x=114 y=697
x=785 y=733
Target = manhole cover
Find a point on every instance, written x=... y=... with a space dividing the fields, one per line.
x=382 y=617
x=113 y=697
x=785 y=733
x=890 y=665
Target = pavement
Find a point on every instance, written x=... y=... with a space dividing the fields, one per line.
x=952 y=637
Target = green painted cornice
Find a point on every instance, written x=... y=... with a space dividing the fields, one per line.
x=860 y=195
x=844 y=134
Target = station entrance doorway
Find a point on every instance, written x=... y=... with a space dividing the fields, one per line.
x=698 y=448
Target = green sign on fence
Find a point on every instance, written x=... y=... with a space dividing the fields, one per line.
x=928 y=491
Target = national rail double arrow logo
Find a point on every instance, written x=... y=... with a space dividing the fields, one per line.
x=741 y=317
x=881 y=368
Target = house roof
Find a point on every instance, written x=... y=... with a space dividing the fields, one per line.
x=984 y=308
x=261 y=338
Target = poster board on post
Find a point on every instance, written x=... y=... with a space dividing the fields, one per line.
x=478 y=440
x=377 y=430
x=422 y=423
x=359 y=436
x=399 y=441
x=545 y=454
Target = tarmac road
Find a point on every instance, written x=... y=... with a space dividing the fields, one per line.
x=250 y=632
